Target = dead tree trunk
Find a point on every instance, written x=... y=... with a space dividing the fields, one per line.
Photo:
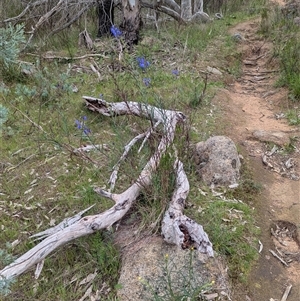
x=132 y=21
x=186 y=9
x=105 y=12
x=176 y=227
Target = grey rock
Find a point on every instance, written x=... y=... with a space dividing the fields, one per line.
x=237 y=37
x=279 y=138
x=297 y=21
x=214 y=70
x=218 y=162
x=147 y=264
x=200 y=17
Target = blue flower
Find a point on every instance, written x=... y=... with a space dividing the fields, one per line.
x=147 y=81
x=115 y=31
x=78 y=124
x=81 y=126
x=175 y=72
x=86 y=131
x=143 y=63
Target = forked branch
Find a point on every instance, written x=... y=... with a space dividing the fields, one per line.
x=176 y=227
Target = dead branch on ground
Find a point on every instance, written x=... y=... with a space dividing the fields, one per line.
x=176 y=227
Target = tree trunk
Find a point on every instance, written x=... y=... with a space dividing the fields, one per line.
x=105 y=11
x=186 y=9
x=198 y=6
x=131 y=21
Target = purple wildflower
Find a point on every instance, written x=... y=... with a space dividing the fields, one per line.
x=81 y=126
x=115 y=31
x=175 y=72
x=78 y=124
x=86 y=131
x=143 y=63
x=147 y=81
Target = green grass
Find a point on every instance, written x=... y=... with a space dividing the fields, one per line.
x=229 y=220
x=278 y=25
x=293 y=116
x=178 y=280
x=42 y=182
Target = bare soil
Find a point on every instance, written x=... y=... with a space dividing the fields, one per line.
x=253 y=103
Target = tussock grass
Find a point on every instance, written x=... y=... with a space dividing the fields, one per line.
x=278 y=25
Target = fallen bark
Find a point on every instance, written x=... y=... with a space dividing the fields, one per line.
x=176 y=227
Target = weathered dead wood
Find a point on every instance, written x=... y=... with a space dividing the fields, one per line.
x=29 y=7
x=286 y=292
x=44 y=18
x=85 y=40
x=68 y=58
x=278 y=257
x=173 y=12
x=127 y=148
x=72 y=20
x=177 y=228
x=55 y=16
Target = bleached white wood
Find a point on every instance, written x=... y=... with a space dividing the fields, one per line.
x=178 y=229
x=127 y=148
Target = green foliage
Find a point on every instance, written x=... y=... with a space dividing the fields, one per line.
x=11 y=39
x=290 y=62
x=3 y=115
x=43 y=87
x=5 y=284
x=293 y=116
x=106 y=256
x=4 y=90
x=229 y=224
x=229 y=221
x=5 y=257
x=279 y=26
x=176 y=284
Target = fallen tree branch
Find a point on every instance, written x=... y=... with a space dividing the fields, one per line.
x=127 y=148
x=73 y=20
x=148 y=134
x=29 y=7
x=67 y=222
x=177 y=228
x=286 y=292
x=278 y=257
x=68 y=58
x=43 y=19
x=166 y=10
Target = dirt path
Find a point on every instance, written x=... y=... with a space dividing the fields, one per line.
x=249 y=104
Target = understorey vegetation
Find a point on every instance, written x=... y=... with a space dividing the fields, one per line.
x=281 y=25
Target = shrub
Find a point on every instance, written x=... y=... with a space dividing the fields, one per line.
x=10 y=40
